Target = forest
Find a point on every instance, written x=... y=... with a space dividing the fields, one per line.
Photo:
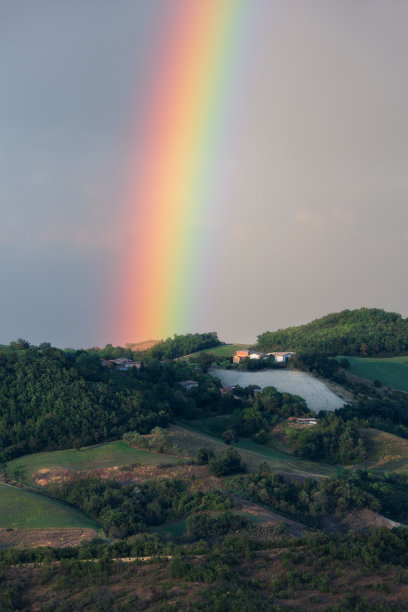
x=310 y=500
x=362 y=332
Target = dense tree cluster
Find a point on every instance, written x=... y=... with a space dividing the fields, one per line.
x=126 y=509
x=366 y=331
x=388 y=413
x=229 y=463
x=185 y=344
x=332 y=439
x=310 y=500
x=320 y=364
x=51 y=399
x=254 y=417
x=205 y=525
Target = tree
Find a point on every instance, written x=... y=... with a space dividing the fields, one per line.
x=229 y=463
x=20 y=344
x=204 y=455
x=230 y=435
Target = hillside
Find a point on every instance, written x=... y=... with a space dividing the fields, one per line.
x=391 y=371
x=361 y=332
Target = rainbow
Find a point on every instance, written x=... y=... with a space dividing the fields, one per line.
x=171 y=169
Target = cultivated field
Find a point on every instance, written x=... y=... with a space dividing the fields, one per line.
x=23 y=509
x=317 y=395
x=391 y=371
x=110 y=454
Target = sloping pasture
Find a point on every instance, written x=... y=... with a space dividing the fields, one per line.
x=23 y=509
x=110 y=454
x=391 y=371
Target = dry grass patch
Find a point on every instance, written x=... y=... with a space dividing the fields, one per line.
x=387 y=452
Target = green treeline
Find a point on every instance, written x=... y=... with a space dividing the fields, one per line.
x=311 y=500
x=332 y=439
x=206 y=525
x=388 y=413
x=366 y=331
x=127 y=509
x=50 y=399
x=181 y=345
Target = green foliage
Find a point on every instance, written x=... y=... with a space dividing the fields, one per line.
x=181 y=345
x=159 y=441
x=366 y=331
x=311 y=500
x=126 y=509
x=204 y=455
x=229 y=463
x=204 y=525
x=254 y=417
x=50 y=399
x=388 y=413
x=332 y=439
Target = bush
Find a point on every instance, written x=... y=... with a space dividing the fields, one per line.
x=229 y=463
x=204 y=455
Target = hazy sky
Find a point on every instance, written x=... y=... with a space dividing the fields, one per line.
x=310 y=200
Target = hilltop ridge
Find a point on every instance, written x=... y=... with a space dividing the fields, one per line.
x=362 y=332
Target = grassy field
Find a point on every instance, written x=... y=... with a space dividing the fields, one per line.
x=224 y=350
x=189 y=437
x=391 y=371
x=387 y=452
x=23 y=509
x=104 y=455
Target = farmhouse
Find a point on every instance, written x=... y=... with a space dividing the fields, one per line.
x=281 y=356
x=302 y=421
x=121 y=363
x=240 y=355
x=278 y=356
x=188 y=384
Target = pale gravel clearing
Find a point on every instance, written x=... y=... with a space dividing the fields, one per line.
x=317 y=395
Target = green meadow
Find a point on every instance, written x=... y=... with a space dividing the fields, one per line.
x=105 y=455
x=391 y=371
x=193 y=435
x=25 y=510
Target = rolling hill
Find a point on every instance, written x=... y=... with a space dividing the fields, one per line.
x=361 y=332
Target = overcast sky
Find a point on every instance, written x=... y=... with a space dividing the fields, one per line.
x=309 y=205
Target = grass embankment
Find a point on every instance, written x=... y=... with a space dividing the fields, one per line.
x=190 y=437
x=386 y=452
x=105 y=455
x=26 y=510
x=391 y=371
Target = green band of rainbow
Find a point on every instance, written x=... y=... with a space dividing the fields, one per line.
x=172 y=168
